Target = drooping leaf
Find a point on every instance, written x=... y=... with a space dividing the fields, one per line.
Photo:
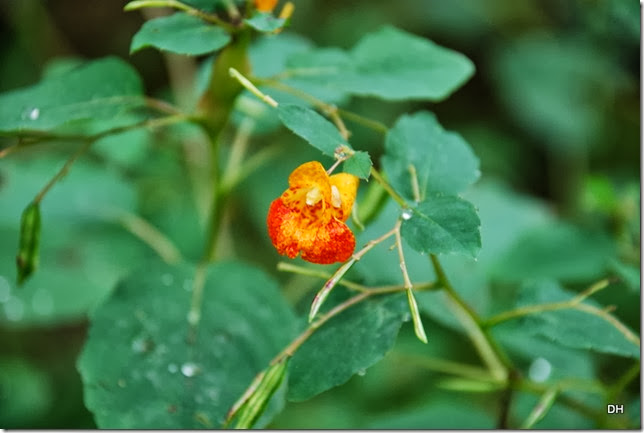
x=180 y=33
x=359 y=164
x=265 y=22
x=312 y=127
x=100 y=93
x=555 y=250
x=571 y=327
x=441 y=225
x=441 y=160
x=143 y=366
x=345 y=345
x=389 y=64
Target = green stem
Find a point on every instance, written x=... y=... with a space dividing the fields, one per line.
x=491 y=355
x=393 y=194
x=214 y=19
x=63 y=171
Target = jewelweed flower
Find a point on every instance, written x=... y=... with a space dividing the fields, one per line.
x=265 y=5
x=308 y=218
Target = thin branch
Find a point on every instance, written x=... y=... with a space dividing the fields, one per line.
x=490 y=353
x=149 y=234
x=324 y=292
x=413 y=307
x=572 y=304
x=393 y=194
x=251 y=87
x=301 y=270
x=211 y=18
x=542 y=407
x=63 y=171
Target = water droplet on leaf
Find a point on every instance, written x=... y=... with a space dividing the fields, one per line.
x=361 y=372
x=540 y=370
x=407 y=214
x=34 y=114
x=189 y=369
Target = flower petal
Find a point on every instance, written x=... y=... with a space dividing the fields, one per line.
x=333 y=242
x=347 y=185
x=311 y=175
x=321 y=243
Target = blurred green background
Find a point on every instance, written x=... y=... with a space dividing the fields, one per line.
x=553 y=113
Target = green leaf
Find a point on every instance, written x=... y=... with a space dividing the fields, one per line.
x=180 y=33
x=101 y=91
x=631 y=275
x=442 y=160
x=359 y=164
x=265 y=22
x=555 y=250
x=83 y=251
x=393 y=64
x=572 y=328
x=345 y=345
x=28 y=250
x=441 y=225
x=389 y=64
x=444 y=412
x=142 y=365
x=312 y=127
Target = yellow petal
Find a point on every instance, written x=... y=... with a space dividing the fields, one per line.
x=347 y=185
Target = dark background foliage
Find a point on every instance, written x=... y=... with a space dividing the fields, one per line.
x=552 y=112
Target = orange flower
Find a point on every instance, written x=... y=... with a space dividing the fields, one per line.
x=265 y=5
x=309 y=216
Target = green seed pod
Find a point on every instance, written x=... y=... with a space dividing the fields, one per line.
x=28 y=252
x=256 y=403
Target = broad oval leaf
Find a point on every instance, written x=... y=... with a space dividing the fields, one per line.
x=143 y=366
x=441 y=225
x=180 y=33
x=359 y=164
x=393 y=64
x=390 y=64
x=102 y=91
x=572 y=327
x=441 y=160
x=265 y=22
x=312 y=127
x=347 y=344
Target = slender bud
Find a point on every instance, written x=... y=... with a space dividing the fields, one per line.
x=254 y=407
x=28 y=251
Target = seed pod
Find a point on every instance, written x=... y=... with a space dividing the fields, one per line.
x=28 y=251
x=256 y=403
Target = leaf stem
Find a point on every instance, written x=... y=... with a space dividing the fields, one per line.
x=496 y=362
x=413 y=306
x=211 y=18
x=321 y=296
x=541 y=408
x=149 y=234
x=393 y=194
x=573 y=304
x=251 y=87
x=63 y=171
